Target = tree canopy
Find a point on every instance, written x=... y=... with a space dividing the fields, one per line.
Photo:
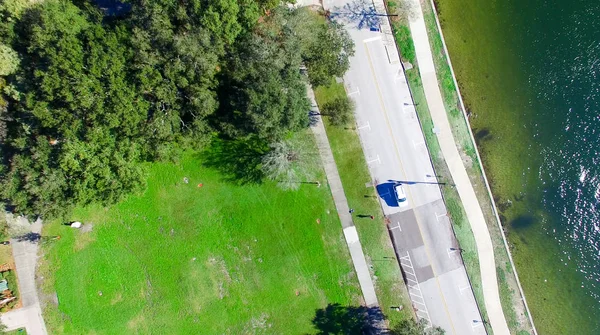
x=87 y=97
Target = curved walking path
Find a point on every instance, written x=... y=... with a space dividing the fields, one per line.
x=30 y=315
x=457 y=170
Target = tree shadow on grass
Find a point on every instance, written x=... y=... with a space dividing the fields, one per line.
x=338 y=319
x=239 y=161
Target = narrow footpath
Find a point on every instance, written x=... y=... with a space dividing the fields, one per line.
x=457 y=170
x=30 y=315
x=341 y=204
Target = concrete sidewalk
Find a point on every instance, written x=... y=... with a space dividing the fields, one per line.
x=341 y=204
x=30 y=315
x=458 y=171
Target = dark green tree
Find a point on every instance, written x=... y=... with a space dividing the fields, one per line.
x=328 y=54
x=71 y=124
x=336 y=319
x=339 y=110
x=262 y=90
x=87 y=98
x=264 y=93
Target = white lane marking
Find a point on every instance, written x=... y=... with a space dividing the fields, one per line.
x=397 y=226
x=438 y=216
x=351 y=89
x=368 y=125
x=357 y=91
x=476 y=324
x=415 y=144
x=416 y=295
x=415 y=289
x=461 y=289
x=372 y=39
x=401 y=79
x=374 y=160
x=450 y=252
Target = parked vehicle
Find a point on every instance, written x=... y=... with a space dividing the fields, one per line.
x=400 y=195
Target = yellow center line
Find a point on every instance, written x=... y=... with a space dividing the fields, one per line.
x=408 y=189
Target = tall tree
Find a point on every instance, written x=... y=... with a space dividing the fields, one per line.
x=339 y=110
x=262 y=90
x=88 y=97
x=327 y=55
x=264 y=93
x=70 y=125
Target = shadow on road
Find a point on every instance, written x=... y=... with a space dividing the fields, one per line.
x=386 y=192
x=360 y=12
x=31 y=237
x=407 y=182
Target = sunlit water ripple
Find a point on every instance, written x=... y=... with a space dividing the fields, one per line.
x=568 y=84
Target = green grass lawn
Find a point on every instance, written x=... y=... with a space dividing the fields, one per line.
x=223 y=258
x=373 y=234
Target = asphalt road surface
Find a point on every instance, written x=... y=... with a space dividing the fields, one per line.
x=395 y=151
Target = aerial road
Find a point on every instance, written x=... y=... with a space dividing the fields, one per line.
x=399 y=164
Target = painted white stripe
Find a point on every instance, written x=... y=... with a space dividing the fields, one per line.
x=372 y=39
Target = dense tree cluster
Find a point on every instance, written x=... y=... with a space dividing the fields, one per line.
x=87 y=97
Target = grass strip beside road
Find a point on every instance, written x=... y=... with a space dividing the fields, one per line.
x=373 y=234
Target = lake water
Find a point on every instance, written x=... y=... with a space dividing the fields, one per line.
x=530 y=74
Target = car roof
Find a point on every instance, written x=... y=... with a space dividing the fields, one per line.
x=400 y=190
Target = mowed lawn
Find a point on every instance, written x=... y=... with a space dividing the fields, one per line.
x=181 y=259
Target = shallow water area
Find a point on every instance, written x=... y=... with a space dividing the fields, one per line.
x=529 y=72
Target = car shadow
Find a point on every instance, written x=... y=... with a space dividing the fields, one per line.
x=386 y=192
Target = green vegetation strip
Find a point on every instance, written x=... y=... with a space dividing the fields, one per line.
x=374 y=236
x=207 y=256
